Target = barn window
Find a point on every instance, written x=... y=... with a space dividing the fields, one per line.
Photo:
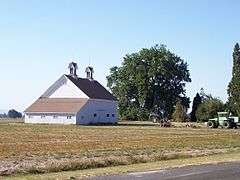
x=113 y=115
x=55 y=117
x=95 y=115
x=108 y=115
x=69 y=117
x=43 y=116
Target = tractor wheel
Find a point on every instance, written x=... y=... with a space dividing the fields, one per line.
x=210 y=124
x=227 y=125
x=216 y=125
x=235 y=126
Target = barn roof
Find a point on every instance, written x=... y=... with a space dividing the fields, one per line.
x=57 y=105
x=93 y=89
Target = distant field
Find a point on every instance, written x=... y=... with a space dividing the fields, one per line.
x=8 y=120
x=51 y=148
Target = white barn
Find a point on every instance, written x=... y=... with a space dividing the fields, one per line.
x=74 y=100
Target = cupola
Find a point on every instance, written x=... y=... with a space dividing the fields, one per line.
x=73 y=69
x=89 y=72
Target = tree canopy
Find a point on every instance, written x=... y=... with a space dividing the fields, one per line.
x=14 y=114
x=149 y=80
x=234 y=85
x=3 y=115
x=209 y=108
x=196 y=102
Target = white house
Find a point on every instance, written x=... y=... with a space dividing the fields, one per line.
x=74 y=100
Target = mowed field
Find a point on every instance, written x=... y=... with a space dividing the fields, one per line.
x=28 y=148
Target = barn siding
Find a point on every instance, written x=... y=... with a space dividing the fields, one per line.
x=49 y=119
x=99 y=107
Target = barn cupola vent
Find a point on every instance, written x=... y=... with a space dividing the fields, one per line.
x=89 y=72
x=73 y=69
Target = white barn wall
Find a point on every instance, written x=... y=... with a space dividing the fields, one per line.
x=61 y=119
x=101 y=108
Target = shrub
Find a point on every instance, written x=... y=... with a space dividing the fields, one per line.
x=179 y=114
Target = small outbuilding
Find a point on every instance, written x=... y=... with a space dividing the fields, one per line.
x=74 y=100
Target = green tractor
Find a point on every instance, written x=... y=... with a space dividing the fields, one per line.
x=224 y=120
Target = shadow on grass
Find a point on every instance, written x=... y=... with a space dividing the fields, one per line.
x=137 y=124
x=127 y=123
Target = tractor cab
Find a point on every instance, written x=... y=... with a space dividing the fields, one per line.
x=223 y=116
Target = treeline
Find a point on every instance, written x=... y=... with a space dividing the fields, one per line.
x=154 y=80
x=206 y=107
x=11 y=114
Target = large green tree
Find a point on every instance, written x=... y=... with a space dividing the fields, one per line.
x=149 y=80
x=234 y=85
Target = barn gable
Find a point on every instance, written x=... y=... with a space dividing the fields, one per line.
x=64 y=88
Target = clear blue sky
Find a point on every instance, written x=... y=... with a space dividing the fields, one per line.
x=39 y=38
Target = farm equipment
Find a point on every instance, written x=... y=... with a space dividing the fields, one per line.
x=156 y=118
x=224 y=120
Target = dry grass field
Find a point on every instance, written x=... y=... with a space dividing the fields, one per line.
x=28 y=148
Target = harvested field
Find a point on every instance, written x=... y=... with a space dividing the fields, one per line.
x=51 y=148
